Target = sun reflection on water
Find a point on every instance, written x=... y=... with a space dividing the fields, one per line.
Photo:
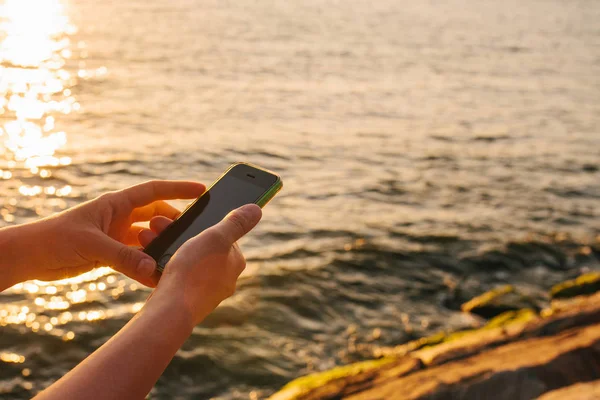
x=53 y=307
x=40 y=67
x=35 y=84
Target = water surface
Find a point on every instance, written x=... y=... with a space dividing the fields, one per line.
x=430 y=151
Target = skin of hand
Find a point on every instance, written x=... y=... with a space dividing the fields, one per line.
x=204 y=271
x=201 y=274
x=98 y=232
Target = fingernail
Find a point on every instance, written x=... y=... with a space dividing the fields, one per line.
x=146 y=267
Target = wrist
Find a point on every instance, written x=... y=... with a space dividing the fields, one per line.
x=22 y=248
x=176 y=297
x=13 y=263
x=163 y=302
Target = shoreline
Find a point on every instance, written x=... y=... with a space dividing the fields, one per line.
x=517 y=354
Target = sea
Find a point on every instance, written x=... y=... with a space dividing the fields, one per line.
x=430 y=150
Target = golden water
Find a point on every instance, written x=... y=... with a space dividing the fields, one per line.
x=415 y=139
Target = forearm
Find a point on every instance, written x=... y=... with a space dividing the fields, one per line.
x=129 y=364
x=20 y=247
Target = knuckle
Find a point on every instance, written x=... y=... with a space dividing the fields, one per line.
x=124 y=257
x=153 y=185
x=149 y=187
x=216 y=237
x=107 y=197
x=239 y=223
x=112 y=199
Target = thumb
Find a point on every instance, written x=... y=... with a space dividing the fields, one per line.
x=131 y=261
x=238 y=223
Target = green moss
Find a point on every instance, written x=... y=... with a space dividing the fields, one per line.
x=585 y=284
x=308 y=382
x=487 y=298
x=428 y=341
x=501 y=320
x=509 y=317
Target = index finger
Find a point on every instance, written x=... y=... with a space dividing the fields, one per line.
x=151 y=191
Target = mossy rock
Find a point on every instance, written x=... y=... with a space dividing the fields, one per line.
x=585 y=284
x=509 y=317
x=502 y=320
x=498 y=301
x=300 y=386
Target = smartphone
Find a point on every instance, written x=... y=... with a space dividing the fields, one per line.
x=241 y=184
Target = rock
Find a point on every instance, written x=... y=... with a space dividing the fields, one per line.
x=497 y=301
x=509 y=317
x=518 y=355
x=585 y=284
x=436 y=340
x=580 y=391
x=345 y=380
x=521 y=370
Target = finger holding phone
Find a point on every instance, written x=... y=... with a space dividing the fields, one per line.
x=198 y=251
x=205 y=269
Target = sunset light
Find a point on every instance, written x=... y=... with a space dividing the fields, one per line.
x=436 y=228
x=34 y=82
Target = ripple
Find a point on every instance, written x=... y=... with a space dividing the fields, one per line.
x=422 y=166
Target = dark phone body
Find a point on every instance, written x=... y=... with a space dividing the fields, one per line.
x=241 y=184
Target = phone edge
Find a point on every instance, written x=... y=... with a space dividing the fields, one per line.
x=269 y=194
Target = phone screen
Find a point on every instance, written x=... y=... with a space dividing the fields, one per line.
x=233 y=190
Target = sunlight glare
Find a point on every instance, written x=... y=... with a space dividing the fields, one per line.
x=34 y=49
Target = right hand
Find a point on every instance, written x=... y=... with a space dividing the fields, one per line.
x=204 y=271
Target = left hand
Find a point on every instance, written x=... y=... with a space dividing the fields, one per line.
x=102 y=232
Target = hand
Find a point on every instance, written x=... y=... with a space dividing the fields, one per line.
x=204 y=271
x=101 y=232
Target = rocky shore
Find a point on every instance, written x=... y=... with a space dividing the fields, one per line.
x=520 y=353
